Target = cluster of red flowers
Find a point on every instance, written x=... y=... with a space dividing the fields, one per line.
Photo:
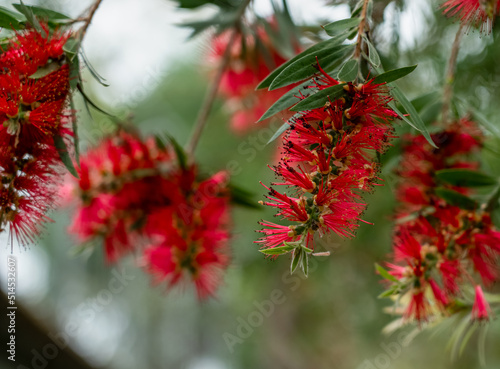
x=474 y=13
x=136 y=197
x=438 y=246
x=252 y=58
x=32 y=114
x=328 y=159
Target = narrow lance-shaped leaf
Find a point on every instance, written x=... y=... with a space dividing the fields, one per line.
x=92 y=70
x=385 y=274
x=415 y=122
x=297 y=256
x=334 y=28
x=305 y=264
x=456 y=199
x=279 y=132
x=306 y=66
x=30 y=17
x=278 y=250
x=9 y=20
x=320 y=98
x=288 y=99
x=76 y=138
x=179 y=151
x=349 y=71
x=313 y=49
x=43 y=13
x=393 y=75
x=62 y=149
x=373 y=56
x=87 y=99
x=465 y=178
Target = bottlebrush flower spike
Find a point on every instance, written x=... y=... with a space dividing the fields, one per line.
x=327 y=161
x=135 y=197
x=32 y=113
x=436 y=239
x=252 y=58
x=473 y=13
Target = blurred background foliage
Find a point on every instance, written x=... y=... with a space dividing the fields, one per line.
x=332 y=319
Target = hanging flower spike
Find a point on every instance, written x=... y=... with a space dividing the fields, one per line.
x=32 y=112
x=481 y=309
x=327 y=161
x=473 y=13
x=134 y=195
x=252 y=58
x=195 y=247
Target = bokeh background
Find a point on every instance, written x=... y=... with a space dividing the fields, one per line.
x=332 y=319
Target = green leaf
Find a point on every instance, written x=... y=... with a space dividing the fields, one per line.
x=242 y=197
x=349 y=71
x=88 y=100
x=30 y=16
x=306 y=249
x=9 y=19
x=373 y=57
x=312 y=50
x=74 y=73
x=393 y=75
x=387 y=293
x=297 y=256
x=287 y=100
x=76 y=139
x=305 y=67
x=334 y=28
x=422 y=102
x=320 y=98
x=416 y=121
x=44 y=71
x=179 y=151
x=456 y=199
x=64 y=154
x=305 y=265
x=385 y=274
x=92 y=70
x=42 y=13
x=279 y=132
x=465 y=178
x=71 y=48
x=277 y=250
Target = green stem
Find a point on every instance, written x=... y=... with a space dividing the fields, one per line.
x=450 y=77
x=207 y=105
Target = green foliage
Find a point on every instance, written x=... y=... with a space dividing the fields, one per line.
x=465 y=178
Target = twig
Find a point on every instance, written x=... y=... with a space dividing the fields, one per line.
x=207 y=105
x=88 y=19
x=361 y=29
x=450 y=77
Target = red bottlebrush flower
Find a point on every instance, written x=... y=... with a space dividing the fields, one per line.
x=252 y=58
x=418 y=308
x=134 y=194
x=434 y=237
x=407 y=247
x=32 y=112
x=438 y=293
x=474 y=13
x=327 y=160
x=481 y=309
